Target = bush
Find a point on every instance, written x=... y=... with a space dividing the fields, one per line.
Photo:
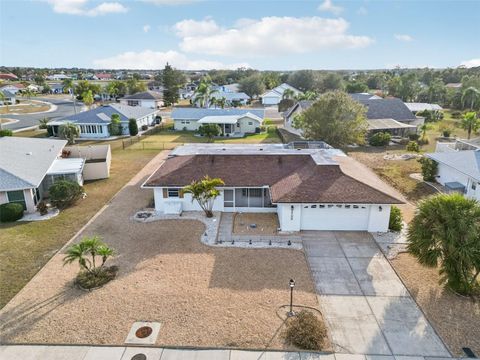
x=132 y=127
x=64 y=193
x=456 y=114
x=413 y=146
x=429 y=168
x=380 y=139
x=267 y=122
x=144 y=127
x=395 y=223
x=446 y=133
x=11 y=212
x=305 y=331
x=101 y=276
x=42 y=208
x=6 y=132
x=413 y=137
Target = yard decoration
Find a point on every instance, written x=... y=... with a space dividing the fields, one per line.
x=204 y=192
x=445 y=233
x=92 y=274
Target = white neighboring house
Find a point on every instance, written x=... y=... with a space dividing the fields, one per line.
x=275 y=95
x=57 y=77
x=147 y=99
x=29 y=166
x=233 y=122
x=418 y=107
x=309 y=189
x=95 y=123
x=9 y=98
x=459 y=171
x=13 y=88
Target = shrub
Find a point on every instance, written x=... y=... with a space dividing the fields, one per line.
x=305 y=331
x=144 y=127
x=6 y=132
x=11 y=212
x=380 y=139
x=413 y=137
x=42 y=208
x=395 y=223
x=267 y=122
x=132 y=127
x=64 y=193
x=413 y=146
x=456 y=114
x=429 y=168
x=446 y=132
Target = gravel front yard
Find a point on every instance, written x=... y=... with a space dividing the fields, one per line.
x=266 y=224
x=456 y=319
x=202 y=296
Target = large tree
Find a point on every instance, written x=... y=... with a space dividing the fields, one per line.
x=252 y=85
x=332 y=81
x=172 y=80
x=470 y=98
x=470 y=123
x=304 y=80
x=134 y=86
x=334 y=118
x=445 y=233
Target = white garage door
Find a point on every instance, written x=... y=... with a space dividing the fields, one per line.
x=334 y=217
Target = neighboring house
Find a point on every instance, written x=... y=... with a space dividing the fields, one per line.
x=274 y=96
x=57 y=77
x=231 y=98
x=56 y=88
x=9 y=98
x=13 y=88
x=457 y=145
x=390 y=108
x=459 y=171
x=147 y=99
x=95 y=123
x=309 y=189
x=364 y=96
x=417 y=107
x=8 y=76
x=298 y=108
x=233 y=122
x=29 y=166
x=103 y=76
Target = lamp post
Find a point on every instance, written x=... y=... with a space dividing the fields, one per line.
x=292 y=285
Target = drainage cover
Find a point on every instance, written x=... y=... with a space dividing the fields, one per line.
x=143 y=332
x=139 y=357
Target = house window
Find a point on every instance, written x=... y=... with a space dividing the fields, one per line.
x=133 y=102
x=321 y=206
x=17 y=197
x=355 y=206
x=313 y=206
x=250 y=123
x=173 y=193
x=474 y=185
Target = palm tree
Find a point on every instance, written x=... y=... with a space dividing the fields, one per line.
x=69 y=131
x=308 y=95
x=288 y=94
x=424 y=128
x=470 y=123
x=203 y=94
x=204 y=192
x=89 y=246
x=470 y=97
x=221 y=102
x=28 y=93
x=445 y=233
x=87 y=97
x=42 y=123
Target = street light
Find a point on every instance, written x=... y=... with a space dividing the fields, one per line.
x=292 y=285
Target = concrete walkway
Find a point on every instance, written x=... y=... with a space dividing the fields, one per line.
x=367 y=308
x=42 y=352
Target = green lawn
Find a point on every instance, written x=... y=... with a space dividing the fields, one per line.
x=26 y=247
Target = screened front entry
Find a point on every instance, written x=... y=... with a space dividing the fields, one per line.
x=246 y=198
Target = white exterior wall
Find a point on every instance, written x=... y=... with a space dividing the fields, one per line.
x=379 y=219
x=271 y=100
x=186 y=202
x=190 y=125
x=3 y=197
x=28 y=194
x=288 y=218
x=448 y=174
x=245 y=127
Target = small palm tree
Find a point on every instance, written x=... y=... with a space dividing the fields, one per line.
x=86 y=252
x=28 y=93
x=288 y=94
x=204 y=192
x=444 y=232
x=470 y=123
x=221 y=102
x=70 y=132
x=42 y=123
x=424 y=128
x=470 y=97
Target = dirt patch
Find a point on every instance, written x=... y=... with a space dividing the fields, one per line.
x=203 y=296
x=455 y=318
x=255 y=224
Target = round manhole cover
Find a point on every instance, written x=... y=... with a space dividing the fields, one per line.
x=143 y=332
x=139 y=357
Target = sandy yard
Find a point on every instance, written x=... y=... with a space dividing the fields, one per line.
x=456 y=319
x=202 y=296
x=266 y=224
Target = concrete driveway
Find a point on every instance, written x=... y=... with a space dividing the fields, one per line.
x=366 y=306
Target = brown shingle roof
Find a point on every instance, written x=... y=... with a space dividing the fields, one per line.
x=291 y=178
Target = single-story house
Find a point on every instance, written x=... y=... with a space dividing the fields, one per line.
x=275 y=95
x=8 y=76
x=56 y=88
x=95 y=123
x=102 y=76
x=29 y=166
x=415 y=107
x=309 y=189
x=233 y=122
x=8 y=98
x=364 y=96
x=390 y=108
x=459 y=171
x=13 y=88
x=147 y=99
x=232 y=97
x=57 y=77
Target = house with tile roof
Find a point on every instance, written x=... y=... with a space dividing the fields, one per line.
x=233 y=122
x=309 y=189
x=147 y=99
x=95 y=123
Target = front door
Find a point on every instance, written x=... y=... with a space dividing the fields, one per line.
x=228 y=129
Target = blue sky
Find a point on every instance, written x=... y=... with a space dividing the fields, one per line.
x=276 y=35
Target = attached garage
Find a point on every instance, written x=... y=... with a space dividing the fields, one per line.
x=334 y=217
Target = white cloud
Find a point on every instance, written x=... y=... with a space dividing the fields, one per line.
x=79 y=7
x=328 y=5
x=267 y=36
x=362 y=10
x=169 y=2
x=146 y=28
x=471 y=63
x=149 y=59
x=403 y=37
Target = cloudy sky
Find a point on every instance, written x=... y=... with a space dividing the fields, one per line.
x=203 y=34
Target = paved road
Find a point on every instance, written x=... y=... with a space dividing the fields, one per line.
x=64 y=108
x=368 y=309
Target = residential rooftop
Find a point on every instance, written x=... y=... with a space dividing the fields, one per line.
x=179 y=113
x=465 y=161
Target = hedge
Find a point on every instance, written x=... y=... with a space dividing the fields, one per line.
x=11 y=212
